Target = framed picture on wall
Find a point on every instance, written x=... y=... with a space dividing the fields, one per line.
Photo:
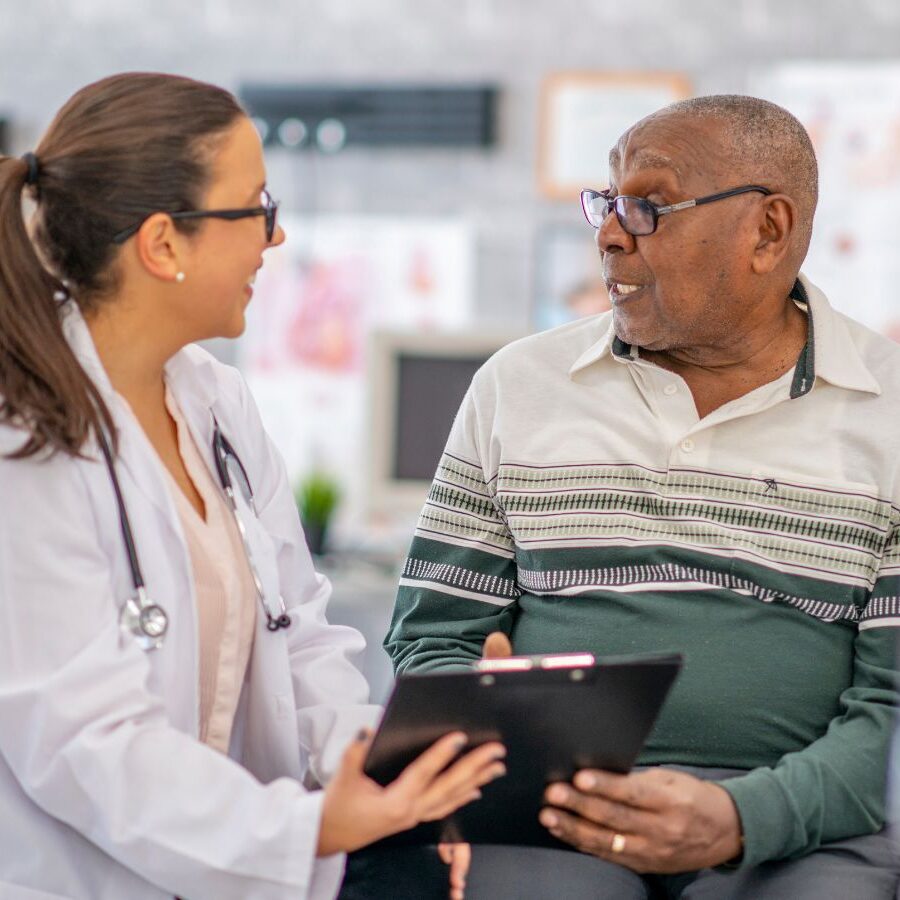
x=583 y=114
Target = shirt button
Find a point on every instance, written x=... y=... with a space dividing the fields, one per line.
x=687 y=445
x=670 y=389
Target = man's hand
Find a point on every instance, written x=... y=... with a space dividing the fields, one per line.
x=459 y=858
x=658 y=820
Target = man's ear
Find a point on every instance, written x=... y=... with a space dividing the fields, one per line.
x=158 y=247
x=775 y=234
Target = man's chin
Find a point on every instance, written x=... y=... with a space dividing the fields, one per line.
x=644 y=337
x=630 y=331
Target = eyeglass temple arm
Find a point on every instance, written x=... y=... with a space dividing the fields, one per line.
x=122 y=236
x=220 y=213
x=674 y=207
x=711 y=198
x=747 y=189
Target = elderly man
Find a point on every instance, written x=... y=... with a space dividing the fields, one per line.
x=711 y=467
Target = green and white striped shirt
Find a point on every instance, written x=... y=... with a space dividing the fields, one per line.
x=581 y=504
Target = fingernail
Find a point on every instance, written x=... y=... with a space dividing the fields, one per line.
x=549 y=819
x=362 y=734
x=500 y=754
x=586 y=780
x=557 y=794
x=499 y=770
x=460 y=741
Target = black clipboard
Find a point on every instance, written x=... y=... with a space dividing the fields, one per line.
x=556 y=714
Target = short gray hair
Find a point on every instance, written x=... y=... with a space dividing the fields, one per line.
x=764 y=144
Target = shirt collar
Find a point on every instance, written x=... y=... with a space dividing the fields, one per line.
x=829 y=353
x=608 y=345
x=78 y=337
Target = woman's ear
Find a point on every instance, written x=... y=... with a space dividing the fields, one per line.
x=775 y=232
x=158 y=246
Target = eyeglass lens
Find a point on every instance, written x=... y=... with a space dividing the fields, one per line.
x=271 y=208
x=635 y=215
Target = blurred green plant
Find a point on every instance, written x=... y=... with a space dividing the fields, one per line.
x=317 y=495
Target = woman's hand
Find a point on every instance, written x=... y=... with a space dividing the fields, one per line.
x=358 y=810
x=459 y=858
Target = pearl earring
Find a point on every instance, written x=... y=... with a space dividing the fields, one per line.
x=179 y=277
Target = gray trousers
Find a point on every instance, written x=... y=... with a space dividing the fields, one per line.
x=861 y=868
x=857 y=869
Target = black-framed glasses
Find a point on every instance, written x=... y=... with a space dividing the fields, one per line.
x=637 y=215
x=268 y=208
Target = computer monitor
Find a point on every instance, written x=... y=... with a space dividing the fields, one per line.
x=416 y=384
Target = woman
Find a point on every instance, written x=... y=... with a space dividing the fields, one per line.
x=163 y=694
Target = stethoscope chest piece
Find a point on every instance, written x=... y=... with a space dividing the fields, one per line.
x=145 y=621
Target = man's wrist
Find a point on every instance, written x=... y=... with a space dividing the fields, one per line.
x=729 y=849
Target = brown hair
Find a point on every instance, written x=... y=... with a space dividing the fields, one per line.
x=119 y=150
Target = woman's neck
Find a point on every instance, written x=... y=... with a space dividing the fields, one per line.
x=133 y=352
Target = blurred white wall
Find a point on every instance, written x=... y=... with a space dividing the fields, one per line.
x=48 y=48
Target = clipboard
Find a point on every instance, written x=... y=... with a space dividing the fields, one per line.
x=556 y=714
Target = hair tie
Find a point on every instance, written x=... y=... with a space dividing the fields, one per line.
x=33 y=168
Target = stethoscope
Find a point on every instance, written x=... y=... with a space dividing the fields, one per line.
x=139 y=616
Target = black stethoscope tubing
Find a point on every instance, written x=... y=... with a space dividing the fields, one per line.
x=222 y=449
x=137 y=576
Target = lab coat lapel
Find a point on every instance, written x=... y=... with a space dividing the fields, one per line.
x=195 y=395
x=266 y=738
x=136 y=454
x=195 y=387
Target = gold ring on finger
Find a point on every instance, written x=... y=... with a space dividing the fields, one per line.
x=618 y=843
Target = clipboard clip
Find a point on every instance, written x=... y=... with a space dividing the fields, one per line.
x=539 y=661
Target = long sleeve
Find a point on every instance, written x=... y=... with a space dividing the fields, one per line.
x=330 y=693
x=835 y=787
x=459 y=582
x=92 y=746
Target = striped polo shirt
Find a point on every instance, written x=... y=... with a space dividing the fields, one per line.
x=582 y=504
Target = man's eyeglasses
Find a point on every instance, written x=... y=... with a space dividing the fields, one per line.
x=268 y=208
x=637 y=215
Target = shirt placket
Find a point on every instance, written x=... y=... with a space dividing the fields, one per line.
x=685 y=440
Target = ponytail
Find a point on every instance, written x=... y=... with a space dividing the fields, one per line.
x=119 y=150
x=43 y=388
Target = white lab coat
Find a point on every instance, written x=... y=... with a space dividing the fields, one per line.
x=105 y=791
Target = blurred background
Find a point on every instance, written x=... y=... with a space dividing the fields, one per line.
x=428 y=158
